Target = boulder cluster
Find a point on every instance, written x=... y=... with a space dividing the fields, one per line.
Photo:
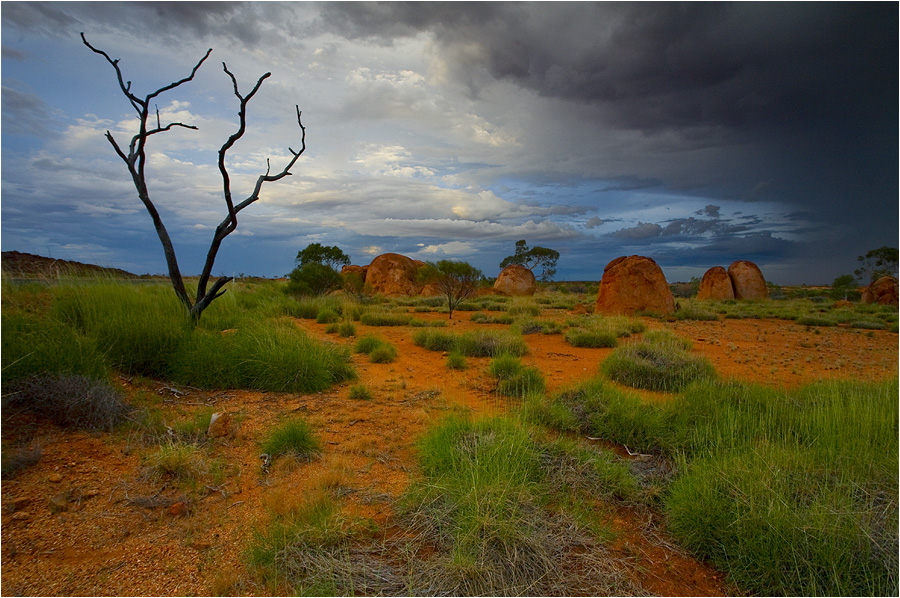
x=742 y=280
x=392 y=274
x=636 y=283
x=883 y=292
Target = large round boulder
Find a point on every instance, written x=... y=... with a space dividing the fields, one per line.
x=632 y=284
x=883 y=291
x=515 y=281
x=748 y=280
x=393 y=274
x=715 y=285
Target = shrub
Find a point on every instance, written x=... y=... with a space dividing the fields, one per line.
x=360 y=393
x=515 y=379
x=327 y=316
x=384 y=318
x=293 y=437
x=367 y=343
x=69 y=400
x=183 y=462
x=33 y=345
x=595 y=339
x=496 y=506
x=456 y=361
x=384 y=353
x=490 y=343
x=346 y=329
x=656 y=366
x=434 y=340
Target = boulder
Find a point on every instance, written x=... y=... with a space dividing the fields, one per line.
x=219 y=425
x=515 y=281
x=632 y=284
x=393 y=274
x=883 y=291
x=748 y=281
x=715 y=285
x=360 y=270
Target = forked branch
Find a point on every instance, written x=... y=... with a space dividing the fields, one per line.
x=135 y=160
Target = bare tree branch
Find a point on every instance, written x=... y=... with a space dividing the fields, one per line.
x=135 y=160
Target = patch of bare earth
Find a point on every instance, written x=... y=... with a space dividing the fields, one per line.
x=88 y=519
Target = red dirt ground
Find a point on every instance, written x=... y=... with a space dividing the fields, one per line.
x=123 y=534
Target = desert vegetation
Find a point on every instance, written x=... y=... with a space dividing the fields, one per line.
x=375 y=446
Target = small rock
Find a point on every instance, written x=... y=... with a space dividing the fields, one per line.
x=179 y=509
x=19 y=503
x=219 y=425
x=59 y=503
x=21 y=516
x=201 y=545
x=54 y=477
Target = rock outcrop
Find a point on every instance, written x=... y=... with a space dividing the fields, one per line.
x=357 y=270
x=393 y=274
x=747 y=280
x=632 y=284
x=515 y=281
x=715 y=285
x=883 y=291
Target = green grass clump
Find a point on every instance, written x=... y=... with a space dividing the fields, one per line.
x=367 y=343
x=293 y=437
x=384 y=318
x=360 y=392
x=482 y=318
x=456 y=361
x=479 y=343
x=788 y=491
x=595 y=339
x=384 y=353
x=489 y=503
x=814 y=320
x=514 y=379
x=656 y=365
x=318 y=551
x=530 y=326
x=327 y=316
x=346 y=329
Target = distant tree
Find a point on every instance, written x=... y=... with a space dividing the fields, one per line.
x=316 y=272
x=877 y=263
x=135 y=158
x=331 y=256
x=457 y=281
x=532 y=258
x=313 y=278
x=845 y=287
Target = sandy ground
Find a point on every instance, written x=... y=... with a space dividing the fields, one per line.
x=119 y=531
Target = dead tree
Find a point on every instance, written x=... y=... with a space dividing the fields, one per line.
x=135 y=159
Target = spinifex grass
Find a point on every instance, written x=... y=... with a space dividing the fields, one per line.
x=293 y=437
x=658 y=364
x=514 y=379
x=479 y=343
x=790 y=492
x=487 y=502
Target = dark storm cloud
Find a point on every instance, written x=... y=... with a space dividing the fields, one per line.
x=25 y=113
x=245 y=22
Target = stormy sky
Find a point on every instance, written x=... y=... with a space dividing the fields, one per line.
x=696 y=134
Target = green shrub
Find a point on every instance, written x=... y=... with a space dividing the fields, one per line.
x=35 y=345
x=368 y=343
x=359 y=392
x=384 y=353
x=596 y=339
x=490 y=343
x=456 y=361
x=346 y=329
x=496 y=509
x=327 y=316
x=665 y=366
x=384 y=318
x=293 y=437
x=179 y=461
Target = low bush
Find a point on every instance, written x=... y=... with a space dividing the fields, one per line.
x=179 y=461
x=68 y=400
x=384 y=318
x=294 y=437
x=497 y=512
x=595 y=339
x=456 y=361
x=360 y=392
x=384 y=353
x=327 y=316
x=660 y=365
x=367 y=343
